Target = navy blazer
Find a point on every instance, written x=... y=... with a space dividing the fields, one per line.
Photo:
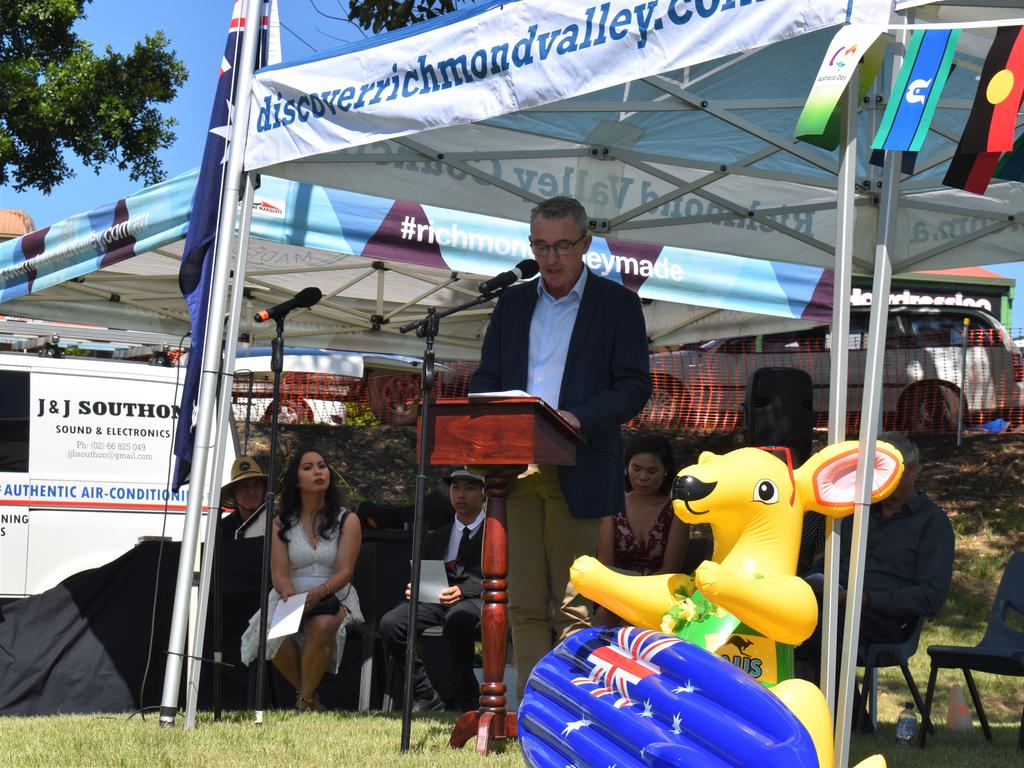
x=606 y=381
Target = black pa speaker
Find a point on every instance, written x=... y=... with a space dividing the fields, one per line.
x=779 y=410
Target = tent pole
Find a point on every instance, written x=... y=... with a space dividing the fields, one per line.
x=870 y=418
x=840 y=364
x=226 y=383
x=208 y=383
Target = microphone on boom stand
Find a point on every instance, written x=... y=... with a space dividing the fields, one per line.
x=524 y=270
x=428 y=328
x=304 y=299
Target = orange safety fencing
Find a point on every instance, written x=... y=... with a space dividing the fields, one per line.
x=928 y=381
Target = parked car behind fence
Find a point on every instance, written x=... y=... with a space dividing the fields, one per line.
x=925 y=365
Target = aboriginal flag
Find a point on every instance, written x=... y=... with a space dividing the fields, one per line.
x=990 y=126
x=971 y=171
x=917 y=89
x=1000 y=88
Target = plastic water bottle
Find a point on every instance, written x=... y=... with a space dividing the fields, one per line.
x=906 y=725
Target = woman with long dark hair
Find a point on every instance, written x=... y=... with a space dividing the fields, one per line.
x=313 y=552
x=645 y=537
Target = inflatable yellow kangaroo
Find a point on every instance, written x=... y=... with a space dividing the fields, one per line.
x=747 y=604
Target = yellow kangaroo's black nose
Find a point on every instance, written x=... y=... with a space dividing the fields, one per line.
x=689 y=488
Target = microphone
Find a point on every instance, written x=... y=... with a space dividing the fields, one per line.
x=304 y=299
x=524 y=270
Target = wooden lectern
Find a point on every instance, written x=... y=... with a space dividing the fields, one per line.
x=499 y=436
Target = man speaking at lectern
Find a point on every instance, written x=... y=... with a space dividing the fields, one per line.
x=578 y=341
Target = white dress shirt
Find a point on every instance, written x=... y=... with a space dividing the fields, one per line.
x=456 y=535
x=550 y=330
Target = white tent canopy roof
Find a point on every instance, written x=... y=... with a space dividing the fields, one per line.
x=699 y=157
x=117 y=266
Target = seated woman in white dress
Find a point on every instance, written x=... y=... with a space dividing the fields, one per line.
x=314 y=552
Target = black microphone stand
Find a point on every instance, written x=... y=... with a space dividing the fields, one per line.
x=277 y=366
x=427 y=328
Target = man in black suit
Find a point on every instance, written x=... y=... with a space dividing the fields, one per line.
x=578 y=341
x=458 y=544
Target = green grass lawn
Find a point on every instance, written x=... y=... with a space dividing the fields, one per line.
x=1003 y=697
x=989 y=528
x=366 y=740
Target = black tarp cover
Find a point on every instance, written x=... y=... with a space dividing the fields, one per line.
x=82 y=646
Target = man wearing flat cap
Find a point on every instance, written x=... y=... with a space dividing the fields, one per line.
x=247 y=492
x=458 y=544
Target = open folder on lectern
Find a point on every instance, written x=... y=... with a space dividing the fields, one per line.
x=495 y=395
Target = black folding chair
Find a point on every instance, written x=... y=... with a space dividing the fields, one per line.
x=877 y=655
x=1000 y=652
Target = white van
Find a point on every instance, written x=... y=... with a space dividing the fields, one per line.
x=85 y=453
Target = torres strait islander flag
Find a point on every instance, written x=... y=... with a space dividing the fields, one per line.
x=917 y=89
x=195 y=273
x=990 y=126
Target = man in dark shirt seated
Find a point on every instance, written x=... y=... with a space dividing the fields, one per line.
x=908 y=561
x=458 y=544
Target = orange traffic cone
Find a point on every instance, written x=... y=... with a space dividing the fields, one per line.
x=958 y=717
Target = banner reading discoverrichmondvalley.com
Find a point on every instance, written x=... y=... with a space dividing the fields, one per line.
x=505 y=56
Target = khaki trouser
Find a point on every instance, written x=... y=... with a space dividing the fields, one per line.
x=543 y=541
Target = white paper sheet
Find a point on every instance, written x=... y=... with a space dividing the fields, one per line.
x=503 y=393
x=287 y=616
x=433 y=580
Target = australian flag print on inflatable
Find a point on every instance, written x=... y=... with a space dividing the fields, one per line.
x=634 y=697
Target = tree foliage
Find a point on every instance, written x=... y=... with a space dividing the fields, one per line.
x=57 y=94
x=378 y=15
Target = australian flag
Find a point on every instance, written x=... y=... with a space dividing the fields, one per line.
x=196 y=270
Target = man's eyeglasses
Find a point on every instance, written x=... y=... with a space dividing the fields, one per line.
x=562 y=247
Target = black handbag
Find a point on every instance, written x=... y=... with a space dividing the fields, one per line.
x=330 y=605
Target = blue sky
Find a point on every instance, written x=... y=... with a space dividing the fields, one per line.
x=197 y=29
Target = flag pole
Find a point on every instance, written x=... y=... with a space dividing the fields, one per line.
x=208 y=383
x=224 y=422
